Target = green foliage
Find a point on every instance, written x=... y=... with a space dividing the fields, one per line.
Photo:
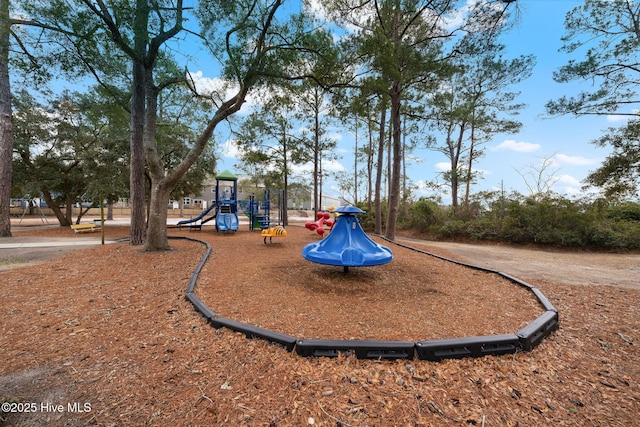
x=619 y=174
x=73 y=150
x=605 y=33
x=368 y=219
x=625 y=211
x=257 y=44
x=269 y=144
x=552 y=220
x=424 y=214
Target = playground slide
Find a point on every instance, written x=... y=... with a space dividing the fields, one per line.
x=227 y=222
x=199 y=217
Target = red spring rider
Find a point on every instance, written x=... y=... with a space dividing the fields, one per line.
x=319 y=225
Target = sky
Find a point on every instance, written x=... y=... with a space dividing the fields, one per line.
x=563 y=141
x=511 y=161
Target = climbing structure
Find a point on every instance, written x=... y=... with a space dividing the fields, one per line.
x=226 y=191
x=260 y=214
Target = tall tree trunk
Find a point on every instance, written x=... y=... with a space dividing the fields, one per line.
x=316 y=169
x=370 y=167
x=455 y=171
x=137 y=233
x=6 y=128
x=396 y=160
x=161 y=185
x=316 y=154
x=137 y=176
x=403 y=199
x=355 y=166
x=64 y=218
x=378 y=189
x=470 y=166
x=285 y=160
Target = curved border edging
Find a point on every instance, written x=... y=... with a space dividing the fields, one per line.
x=525 y=339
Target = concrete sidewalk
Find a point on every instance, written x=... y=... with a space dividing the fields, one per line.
x=17 y=243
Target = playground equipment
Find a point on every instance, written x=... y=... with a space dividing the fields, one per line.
x=226 y=191
x=225 y=208
x=30 y=203
x=259 y=213
x=323 y=218
x=525 y=339
x=202 y=218
x=271 y=232
x=347 y=245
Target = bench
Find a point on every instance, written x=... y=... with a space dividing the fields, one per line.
x=84 y=228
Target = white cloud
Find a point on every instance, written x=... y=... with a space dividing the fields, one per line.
x=221 y=90
x=563 y=159
x=443 y=166
x=458 y=17
x=315 y=8
x=349 y=22
x=569 y=185
x=517 y=146
x=426 y=189
x=230 y=149
x=327 y=166
x=421 y=184
x=570 y=191
x=568 y=180
x=332 y=166
x=334 y=136
x=615 y=118
x=467 y=15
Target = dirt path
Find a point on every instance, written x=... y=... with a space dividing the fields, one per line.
x=572 y=268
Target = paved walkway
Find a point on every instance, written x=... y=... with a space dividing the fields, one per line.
x=16 y=243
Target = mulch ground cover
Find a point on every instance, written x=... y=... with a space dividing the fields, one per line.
x=105 y=335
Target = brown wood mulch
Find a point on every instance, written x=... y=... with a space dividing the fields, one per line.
x=109 y=327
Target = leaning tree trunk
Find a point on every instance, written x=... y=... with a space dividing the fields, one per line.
x=6 y=129
x=64 y=218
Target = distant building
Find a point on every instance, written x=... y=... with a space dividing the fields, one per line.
x=302 y=200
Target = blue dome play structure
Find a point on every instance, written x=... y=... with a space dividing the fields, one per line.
x=347 y=245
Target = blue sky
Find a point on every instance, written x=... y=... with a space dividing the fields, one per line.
x=564 y=142
x=511 y=161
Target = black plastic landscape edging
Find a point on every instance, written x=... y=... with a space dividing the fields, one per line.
x=525 y=339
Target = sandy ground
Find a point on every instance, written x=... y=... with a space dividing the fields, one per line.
x=566 y=267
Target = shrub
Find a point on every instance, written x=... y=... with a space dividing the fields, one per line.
x=549 y=220
x=626 y=211
x=423 y=214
